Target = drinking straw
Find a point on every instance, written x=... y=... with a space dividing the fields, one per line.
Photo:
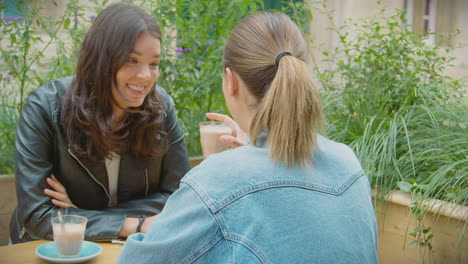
x=60 y=217
x=62 y=223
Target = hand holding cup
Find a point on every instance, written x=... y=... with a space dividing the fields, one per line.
x=237 y=138
x=210 y=131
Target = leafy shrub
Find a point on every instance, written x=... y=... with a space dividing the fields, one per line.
x=388 y=97
x=24 y=40
x=191 y=68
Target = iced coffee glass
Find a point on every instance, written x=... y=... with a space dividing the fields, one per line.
x=210 y=131
x=69 y=234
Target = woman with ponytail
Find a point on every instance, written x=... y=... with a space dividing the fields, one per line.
x=289 y=195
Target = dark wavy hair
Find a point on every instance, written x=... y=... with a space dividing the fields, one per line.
x=89 y=122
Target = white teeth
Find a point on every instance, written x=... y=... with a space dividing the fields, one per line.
x=136 y=88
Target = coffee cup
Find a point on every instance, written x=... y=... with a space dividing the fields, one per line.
x=210 y=131
x=69 y=233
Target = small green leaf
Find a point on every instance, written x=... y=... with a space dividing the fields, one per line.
x=66 y=23
x=404 y=186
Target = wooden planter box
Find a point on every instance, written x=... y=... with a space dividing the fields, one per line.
x=7 y=205
x=396 y=222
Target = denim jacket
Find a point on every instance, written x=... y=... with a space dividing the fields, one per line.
x=239 y=207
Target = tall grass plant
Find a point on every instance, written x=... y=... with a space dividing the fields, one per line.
x=388 y=97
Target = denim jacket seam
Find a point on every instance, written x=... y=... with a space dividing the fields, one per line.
x=217 y=216
x=247 y=244
x=203 y=197
x=198 y=190
x=287 y=183
x=205 y=248
x=206 y=200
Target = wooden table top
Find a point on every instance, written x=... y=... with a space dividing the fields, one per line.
x=25 y=253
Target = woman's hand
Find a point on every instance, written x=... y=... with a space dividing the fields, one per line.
x=58 y=194
x=238 y=138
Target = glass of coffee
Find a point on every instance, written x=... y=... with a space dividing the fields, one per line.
x=210 y=131
x=69 y=233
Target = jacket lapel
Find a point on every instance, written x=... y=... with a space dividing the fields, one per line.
x=96 y=170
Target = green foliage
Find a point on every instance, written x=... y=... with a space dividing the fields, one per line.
x=389 y=98
x=191 y=68
x=28 y=61
x=422 y=234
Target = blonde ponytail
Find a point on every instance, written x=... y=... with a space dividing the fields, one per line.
x=291 y=111
x=289 y=105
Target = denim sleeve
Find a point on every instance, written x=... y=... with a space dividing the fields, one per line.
x=183 y=232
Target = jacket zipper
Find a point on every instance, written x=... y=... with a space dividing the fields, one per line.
x=147 y=182
x=22 y=233
x=90 y=174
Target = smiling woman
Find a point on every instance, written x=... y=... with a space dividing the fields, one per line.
x=104 y=143
x=138 y=75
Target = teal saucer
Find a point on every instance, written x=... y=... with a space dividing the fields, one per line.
x=48 y=251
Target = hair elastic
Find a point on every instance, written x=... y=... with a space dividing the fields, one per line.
x=278 y=58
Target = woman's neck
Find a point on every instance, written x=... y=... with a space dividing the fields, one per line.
x=246 y=120
x=248 y=107
x=119 y=113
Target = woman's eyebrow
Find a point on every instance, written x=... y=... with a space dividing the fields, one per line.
x=140 y=54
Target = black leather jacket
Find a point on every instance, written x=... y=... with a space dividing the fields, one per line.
x=143 y=186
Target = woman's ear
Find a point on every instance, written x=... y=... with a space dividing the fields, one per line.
x=232 y=84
